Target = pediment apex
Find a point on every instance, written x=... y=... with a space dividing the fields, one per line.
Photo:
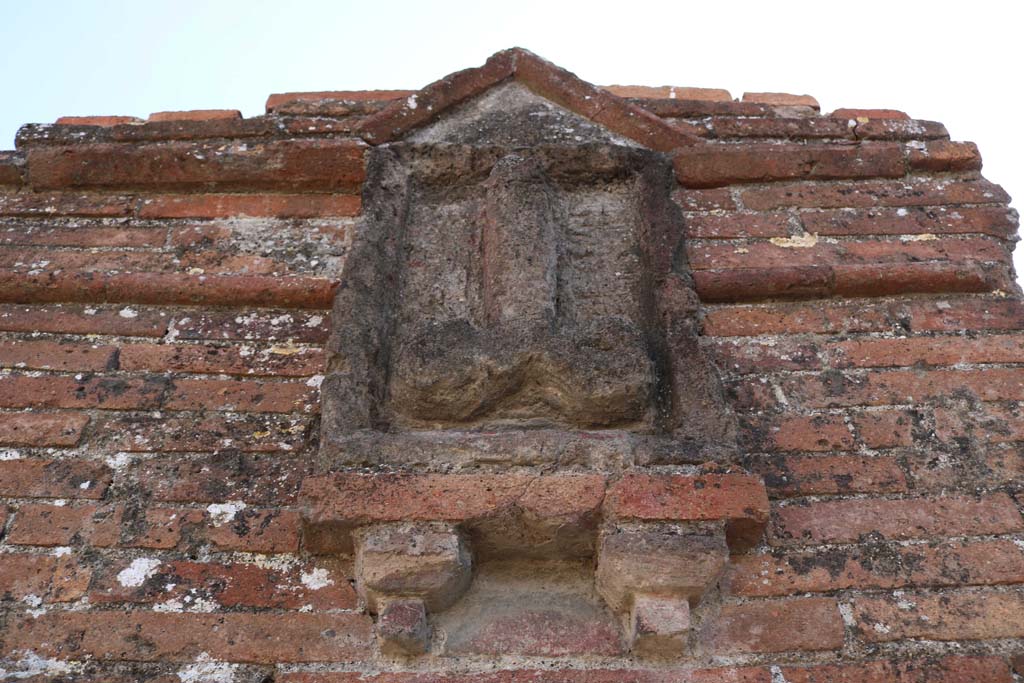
x=542 y=78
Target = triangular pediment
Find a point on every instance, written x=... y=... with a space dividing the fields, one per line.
x=531 y=74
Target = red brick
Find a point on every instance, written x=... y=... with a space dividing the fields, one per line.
x=79 y=319
x=718 y=199
x=717 y=165
x=775 y=626
x=42 y=429
x=904 y=670
x=884 y=429
x=722 y=675
x=987 y=220
x=799 y=433
x=47 y=577
x=110 y=393
x=96 y=120
x=731 y=127
x=794 y=475
x=257 y=531
x=301 y=327
x=53 y=525
x=989 y=424
x=12 y=165
x=669 y=92
x=845 y=521
x=246 y=433
x=50 y=355
x=256 y=205
x=231 y=585
x=217 y=359
x=918 y=351
x=751 y=284
x=276 y=100
x=252 y=478
x=887 y=387
x=942 y=155
x=83 y=236
x=780 y=99
x=1017 y=661
x=741 y=500
x=943 y=616
x=170 y=637
x=161 y=528
x=870 y=193
x=241 y=396
x=195 y=115
x=280 y=165
x=736 y=225
x=878 y=566
x=898 y=129
x=167 y=288
x=858 y=114
x=746 y=356
x=948 y=314
x=65 y=204
x=53 y=479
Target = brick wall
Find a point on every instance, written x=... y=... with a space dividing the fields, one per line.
x=166 y=287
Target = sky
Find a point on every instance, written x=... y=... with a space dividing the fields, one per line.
x=958 y=63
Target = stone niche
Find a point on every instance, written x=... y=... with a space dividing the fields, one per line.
x=517 y=407
x=517 y=295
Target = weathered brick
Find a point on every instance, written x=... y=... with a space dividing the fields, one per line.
x=717 y=165
x=329 y=165
x=256 y=531
x=905 y=670
x=51 y=355
x=195 y=115
x=255 y=205
x=96 y=120
x=900 y=129
x=884 y=428
x=736 y=225
x=50 y=578
x=65 y=204
x=845 y=521
x=990 y=424
x=322 y=585
x=728 y=127
x=53 y=525
x=878 y=566
x=781 y=99
x=871 y=193
x=53 y=479
x=12 y=165
x=857 y=114
x=719 y=199
x=775 y=626
x=170 y=637
x=42 y=429
x=723 y=675
x=232 y=475
x=983 y=615
x=247 y=433
x=932 y=350
x=166 y=288
x=747 y=356
x=110 y=393
x=82 y=236
x=241 y=396
x=741 y=500
x=82 y=319
x=799 y=433
x=943 y=155
x=220 y=359
x=751 y=284
x=669 y=92
x=946 y=314
x=795 y=475
x=301 y=327
x=278 y=100
x=988 y=220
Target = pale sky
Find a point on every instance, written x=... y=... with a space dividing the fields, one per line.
x=958 y=63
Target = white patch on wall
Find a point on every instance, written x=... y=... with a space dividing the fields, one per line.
x=316 y=579
x=135 y=574
x=207 y=670
x=224 y=513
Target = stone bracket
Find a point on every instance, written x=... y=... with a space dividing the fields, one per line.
x=660 y=541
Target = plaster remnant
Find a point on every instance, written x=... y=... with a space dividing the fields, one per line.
x=224 y=513
x=316 y=579
x=208 y=670
x=803 y=241
x=135 y=574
